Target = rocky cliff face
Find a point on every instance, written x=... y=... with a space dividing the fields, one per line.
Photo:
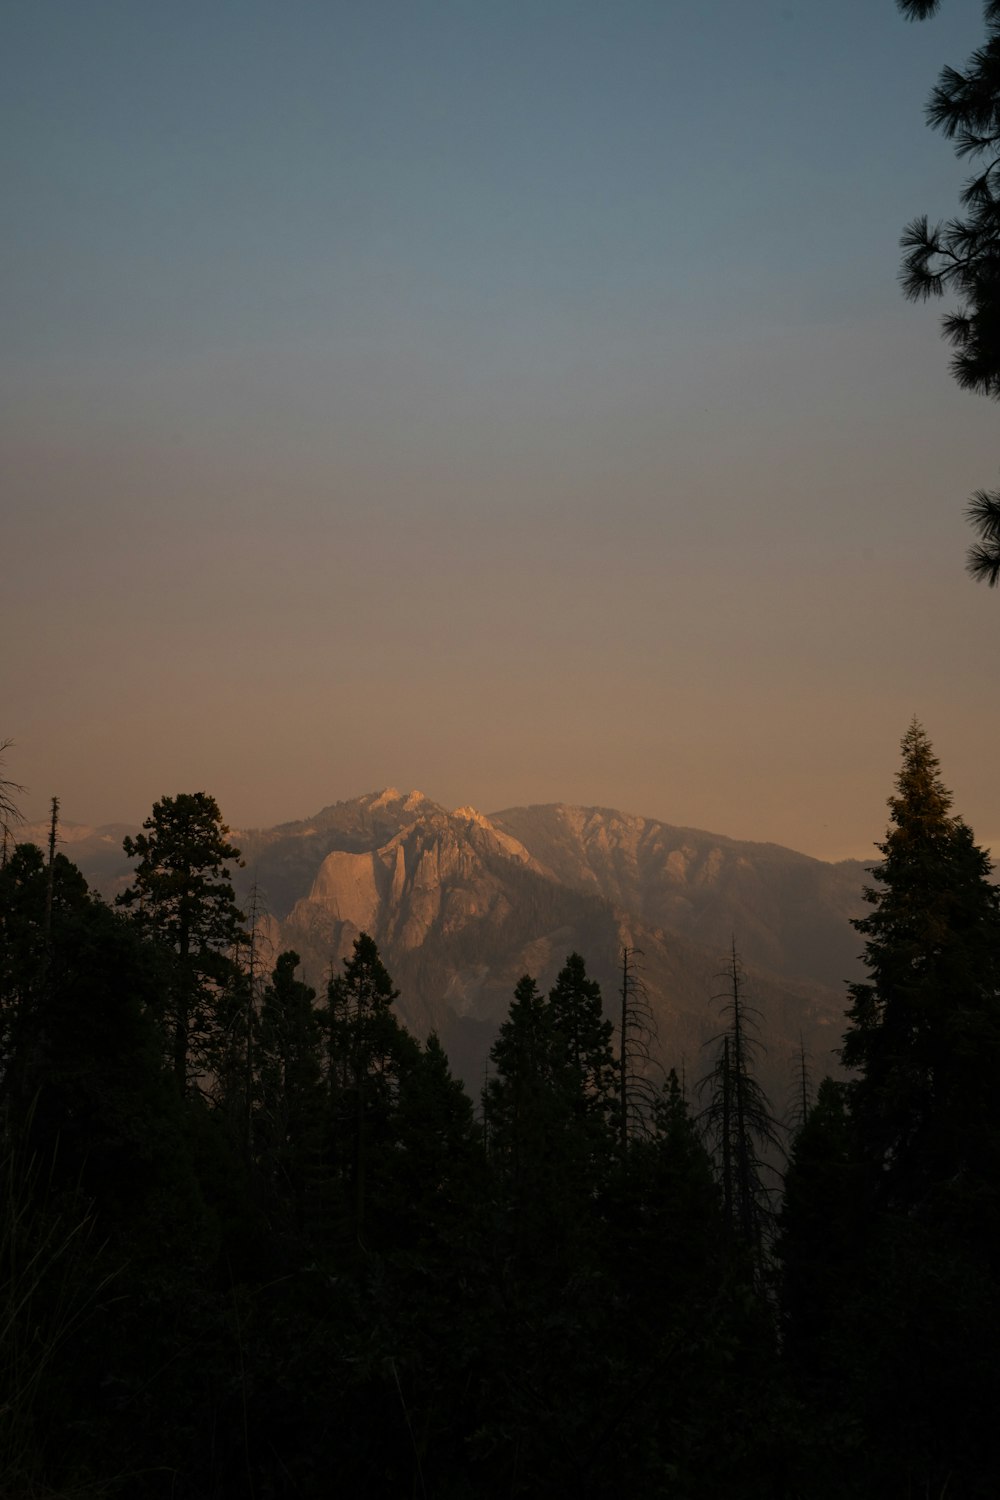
x=458 y=906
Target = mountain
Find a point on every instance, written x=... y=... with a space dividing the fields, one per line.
x=788 y=912
x=462 y=904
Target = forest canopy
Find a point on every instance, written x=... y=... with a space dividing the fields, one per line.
x=308 y=1255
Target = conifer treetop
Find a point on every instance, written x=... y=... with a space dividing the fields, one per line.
x=921 y=805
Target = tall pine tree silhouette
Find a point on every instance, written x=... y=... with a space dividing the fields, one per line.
x=918 y=1313
x=183 y=895
x=924 y=1032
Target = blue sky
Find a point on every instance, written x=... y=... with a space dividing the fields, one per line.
x=513 y=400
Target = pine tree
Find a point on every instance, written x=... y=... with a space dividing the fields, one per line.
x=822 y=1233
x=549 y=1110
x=233 y=1055
x=924 y=1032
x=520 y=1104
x=94 y=1178
x=183 y=896
x=35 y=900
x=367 y=1051
x=962 y=255
x=288 y=1084
x=891 y=1230
x=682 y=1213
x=582 y=1041
x=439 y=1165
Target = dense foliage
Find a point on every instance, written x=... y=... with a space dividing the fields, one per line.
x=263 y=1244
x=961 y=256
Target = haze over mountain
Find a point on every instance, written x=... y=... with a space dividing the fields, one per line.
x=462 y=904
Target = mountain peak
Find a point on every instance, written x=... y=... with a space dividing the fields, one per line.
x=503 y=842
x=472 y=815
x=391 y=795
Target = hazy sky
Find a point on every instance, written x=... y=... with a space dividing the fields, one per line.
x=508 y=398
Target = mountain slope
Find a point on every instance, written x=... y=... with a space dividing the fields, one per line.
x=788 y=912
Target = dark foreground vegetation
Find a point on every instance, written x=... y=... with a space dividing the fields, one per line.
x=256 y=1245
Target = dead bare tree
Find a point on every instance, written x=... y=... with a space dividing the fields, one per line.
x=10 y=813
x=739 y=1121
x=638 y=1089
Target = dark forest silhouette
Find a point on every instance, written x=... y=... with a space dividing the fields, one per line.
x=262 y=1243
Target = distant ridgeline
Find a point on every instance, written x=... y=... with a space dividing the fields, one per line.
x=259 y=1240
x=462 y=905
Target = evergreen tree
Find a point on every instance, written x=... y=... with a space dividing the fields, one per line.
x=543 y=1137
x=232 y=1047
x=521 y=1102
x=38 y=902
x=367 y=1051
x=76 y=986
x=823 y=1228
x=582 y=1041
x=289 y=1046
x=670 y=1232
x=962 y=255
x=289 y=1082
x=183 y=895
x=95 y=1169
x=439 y=1165
x=924 y=1031
x=892 y=1214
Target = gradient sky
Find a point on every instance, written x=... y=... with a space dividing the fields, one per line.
x=512 y=400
